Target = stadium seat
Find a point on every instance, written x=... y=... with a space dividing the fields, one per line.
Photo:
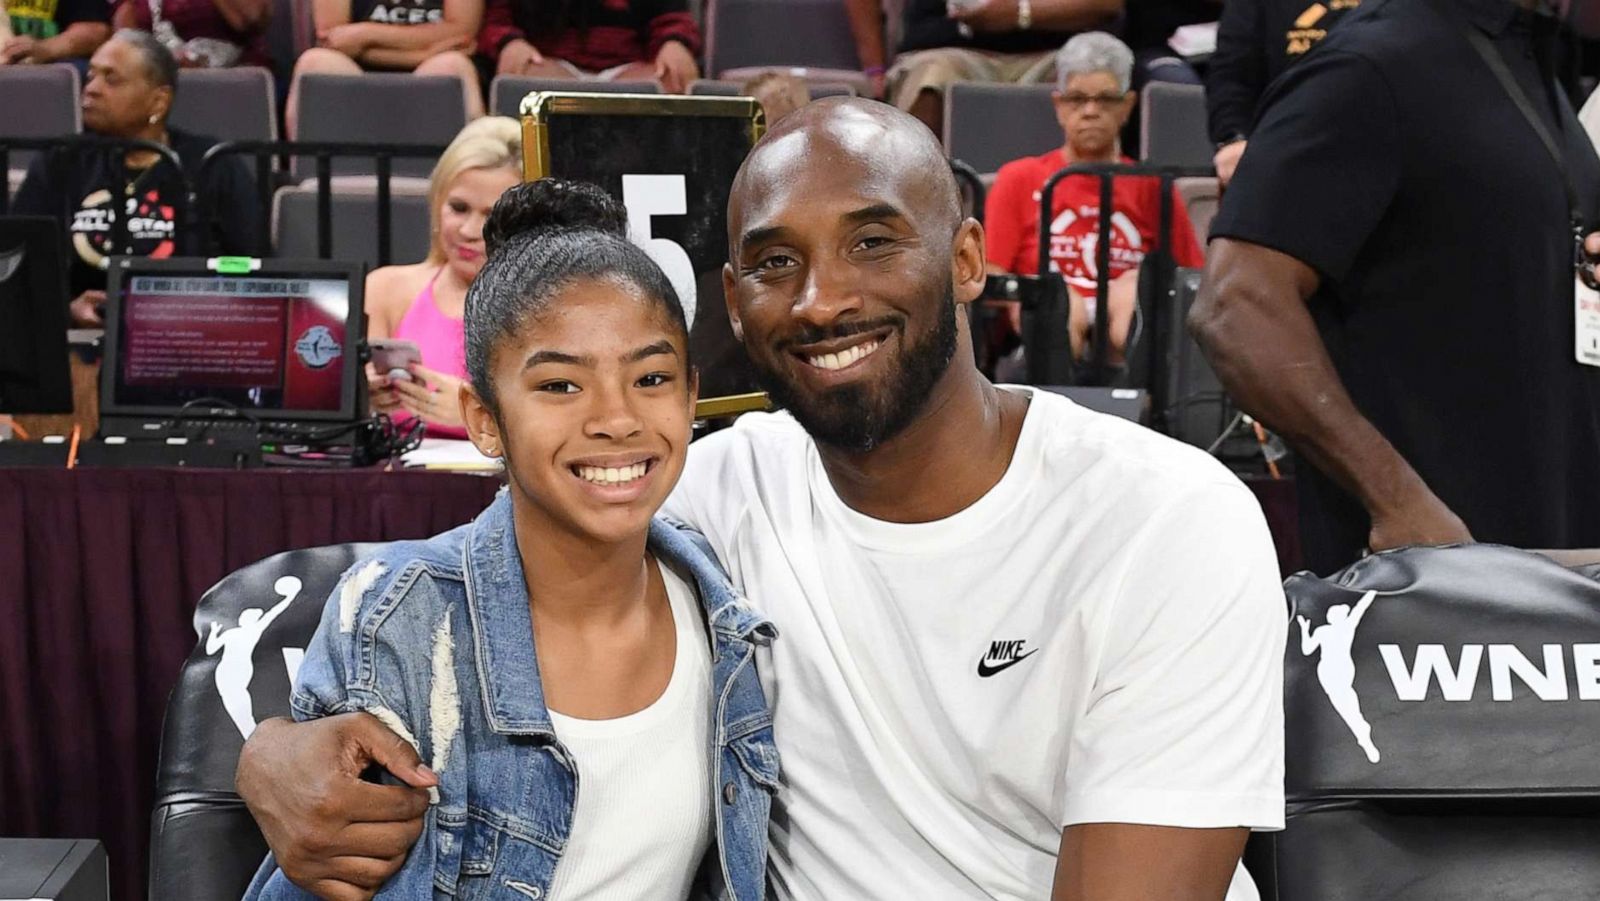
x=1197 y=409
x=51 y=109
x=744 y=37
x=1442 y=738
x=1200 y=199
x=1172 y=125
x=506 y=91
x=379 y=108
x=354 y=221
x=989 y=125
x=226 y=104
x=203 y=842
x=710 y=87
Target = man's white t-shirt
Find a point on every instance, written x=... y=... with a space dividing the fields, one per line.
x=1099 y=638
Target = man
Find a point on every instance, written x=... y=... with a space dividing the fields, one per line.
x=49 y=31
x=1093 y=100
x=1391 y=285
x=1027 y=650
x=973 y=40
x=132 y=80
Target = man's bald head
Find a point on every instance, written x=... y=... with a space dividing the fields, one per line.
x=887 y=148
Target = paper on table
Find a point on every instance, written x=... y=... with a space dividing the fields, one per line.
x=444 y=453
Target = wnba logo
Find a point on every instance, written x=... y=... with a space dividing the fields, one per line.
x=317 y=347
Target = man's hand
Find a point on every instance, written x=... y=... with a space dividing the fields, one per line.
x=675 y=67
x=85 y=309
x=331 y=833
x=1227 y=160
x=18 y=50
x=1418 y=517
x=991 y=16
x=352 y=39
x=517 y=57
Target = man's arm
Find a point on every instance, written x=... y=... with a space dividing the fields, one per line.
x=1127 y=862
x=1237 y=73
x=80 y=39
x=866 y=27
x=1252 y=322
x=1047 y=15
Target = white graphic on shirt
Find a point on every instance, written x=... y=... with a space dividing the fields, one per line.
x=238 y=645
x=1075 y=240
x=1336 y=668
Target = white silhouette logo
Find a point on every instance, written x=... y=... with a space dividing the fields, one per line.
x=317 y=347
x=1336 y=668
x=238 y=645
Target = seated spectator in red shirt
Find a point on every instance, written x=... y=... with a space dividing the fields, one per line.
x=52 y=31
x=596 y=40
x=1093 y=102
x=202 y=33
x=428 y=37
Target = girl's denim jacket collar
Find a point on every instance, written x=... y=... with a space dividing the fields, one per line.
x=436 y=637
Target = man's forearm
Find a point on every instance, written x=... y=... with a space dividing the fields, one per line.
x=80 y=39
x=866 y=26
x=1073 y=15
x=1252 y=322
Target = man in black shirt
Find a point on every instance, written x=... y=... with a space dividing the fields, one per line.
x=1256 y=41
x=132 y=78
x=1391 y=284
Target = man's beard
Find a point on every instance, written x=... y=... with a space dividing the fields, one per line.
x=863 y=416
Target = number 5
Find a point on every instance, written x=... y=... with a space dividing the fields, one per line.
x=661 y=195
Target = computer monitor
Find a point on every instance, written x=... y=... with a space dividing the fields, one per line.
x=34 y=374
x=193 y=340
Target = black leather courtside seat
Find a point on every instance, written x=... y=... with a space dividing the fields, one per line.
x=1443 y=717
x=253 y=628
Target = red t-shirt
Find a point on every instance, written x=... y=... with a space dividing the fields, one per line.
x=1011 y=221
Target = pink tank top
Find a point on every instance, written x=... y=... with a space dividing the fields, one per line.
x=443 y=342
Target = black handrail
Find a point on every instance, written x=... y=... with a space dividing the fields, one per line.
x=324 y=153
x=974 y=182
x=185 y=222
x=1107 y=173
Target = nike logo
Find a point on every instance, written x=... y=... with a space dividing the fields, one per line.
x=1004 y=655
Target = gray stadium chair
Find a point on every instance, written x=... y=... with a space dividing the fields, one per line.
x=382 y=108
x=354 y=222
x=506 y=91
x=51 y=109
x=757 y=34
x=1200 y=199
x=989 y=125
x=707 y=87
x=1172 y=123
x=226 y=104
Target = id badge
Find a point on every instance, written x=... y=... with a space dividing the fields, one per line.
x=1586 y=322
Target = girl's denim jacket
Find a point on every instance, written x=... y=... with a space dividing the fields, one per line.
x=435 y=638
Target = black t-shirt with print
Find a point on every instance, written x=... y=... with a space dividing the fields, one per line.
x=1256 y=41
x=1393 y=163
x=84 y=189
x=41 y=19
x=397 y=12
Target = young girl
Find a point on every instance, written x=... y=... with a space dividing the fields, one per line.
x=579 y=676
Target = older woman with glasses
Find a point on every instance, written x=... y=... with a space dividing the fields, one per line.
x=1092 y=102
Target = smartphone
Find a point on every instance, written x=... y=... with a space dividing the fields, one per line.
x=391 y=356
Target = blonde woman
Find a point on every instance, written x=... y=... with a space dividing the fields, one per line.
x=423 y=302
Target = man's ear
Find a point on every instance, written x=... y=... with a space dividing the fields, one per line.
x=483 y=430
x=969 y=262
x=728 y=281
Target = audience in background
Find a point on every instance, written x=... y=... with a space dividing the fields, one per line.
x=132 y=79
x=944 y=41
x=779 y=94
x=428 y=37
x=53 y=31
x=424 y=302
x=593 y=40
x=1093 y=101
x=1150 y=24
x=202 y=33
x=1256 y=41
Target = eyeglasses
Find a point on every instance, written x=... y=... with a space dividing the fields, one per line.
x=1076 y=100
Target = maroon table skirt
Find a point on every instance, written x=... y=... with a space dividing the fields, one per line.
x=100 y=570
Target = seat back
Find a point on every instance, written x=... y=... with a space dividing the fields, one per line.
x=1172 y=125
x=744 y=34
x=989 y=125
x=711 y=87
x=506 y=91
x=354 y=221
x=253 y=627
x=379 y=108
x=1441 y=740
x=51 y=108
x=1196 y=409
x=227 y=104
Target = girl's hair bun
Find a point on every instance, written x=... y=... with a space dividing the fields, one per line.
x=553 y=204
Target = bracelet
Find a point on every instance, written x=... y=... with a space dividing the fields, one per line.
x=873 y=70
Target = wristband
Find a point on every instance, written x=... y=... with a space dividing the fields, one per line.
x=873 y=70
